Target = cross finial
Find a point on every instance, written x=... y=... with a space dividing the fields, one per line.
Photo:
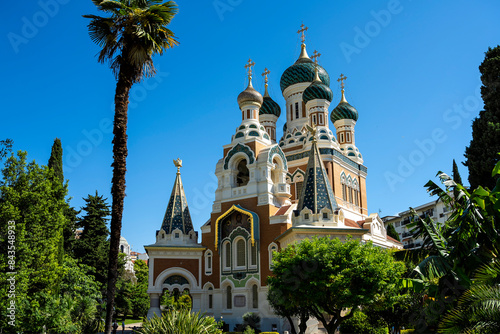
x=341 y=80
x=248 y=66
x=178 y=164
x=315 y=56
x=265 y=73
x=302 y=30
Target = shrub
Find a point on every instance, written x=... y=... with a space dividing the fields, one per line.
x=180 y=322
x=361 y=324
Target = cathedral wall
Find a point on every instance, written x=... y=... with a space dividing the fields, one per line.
x=192 y=265
x=267 y=234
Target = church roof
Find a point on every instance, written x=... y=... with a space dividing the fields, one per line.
x=303 y=71
x=317 y=192
x=177 y=215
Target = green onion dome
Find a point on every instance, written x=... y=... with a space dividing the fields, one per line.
x=317 y=90
x=249 y=95
x=269 y=107
x=302 y=71
x=344 y=111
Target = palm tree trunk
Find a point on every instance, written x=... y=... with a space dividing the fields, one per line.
x=120 y=153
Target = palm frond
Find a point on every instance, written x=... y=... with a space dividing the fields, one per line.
x=432 y=267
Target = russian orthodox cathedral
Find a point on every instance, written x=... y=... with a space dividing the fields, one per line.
x=270 y=194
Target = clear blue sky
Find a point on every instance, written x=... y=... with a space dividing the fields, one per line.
x=412 y=69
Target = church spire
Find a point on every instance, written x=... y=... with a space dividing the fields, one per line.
x=177 y=215
x=317 y=192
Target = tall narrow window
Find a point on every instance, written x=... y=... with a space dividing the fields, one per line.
x=227 y=255
x=320 y=119
x=273 y=248
x=291 y=113
x=356 y=197
x=296 y=110
x=350 y=195
x=255 y=296
x=248 y=113
x=348 y=137
x=314 y=119
x=253 y=255
x=303 y=109
x=229 y=298
x=210 y=297
x=298 y=189
x=240 y=253
x=344 y=192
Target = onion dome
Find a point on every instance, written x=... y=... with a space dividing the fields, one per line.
x=302 y=71
x=317 y=90
x=249 y=95
x=269 y=107
x=344 y=111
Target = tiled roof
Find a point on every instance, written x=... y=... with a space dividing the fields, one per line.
x=177 y=214
x=317 y=192
x=282 y=210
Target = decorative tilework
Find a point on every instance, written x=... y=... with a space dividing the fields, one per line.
x=328 y=151
x=317 y=90
x=236 y=149
x=177 y=215
x=317 y=192
x=253 y=133
x=344 y=111
x=277 y=150
x=302 y=72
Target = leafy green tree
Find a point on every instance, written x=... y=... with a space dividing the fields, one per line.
x=34 y=206
x=135 y=31
x=180 y=322
x=481 y=154
x=92 y=247
x=5 y=147
x=140 y=297
x=289 y=311
x=328 y=276
x=391 y=231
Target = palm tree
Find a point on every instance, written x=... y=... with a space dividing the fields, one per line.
x=135 y=31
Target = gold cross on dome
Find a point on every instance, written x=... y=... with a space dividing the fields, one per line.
x=265 y=73
x=315 y=56
x=341 y=80
x=302 y=30
x=249 y=67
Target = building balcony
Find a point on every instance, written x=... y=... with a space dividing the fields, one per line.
x=282 y=190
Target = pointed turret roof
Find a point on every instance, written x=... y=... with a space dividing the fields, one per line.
x=177 y=214
x=317 y=192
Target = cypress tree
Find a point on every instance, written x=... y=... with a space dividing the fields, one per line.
x=55 y=160
x=456 y=174
x=391 y=231
x=482 y=152
x=93 y=246
x=56 y=164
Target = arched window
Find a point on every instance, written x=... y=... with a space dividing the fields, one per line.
x=208 y=262
x=229 y=298
x=243 y=174
x=272 y=248
x=240 y=255
x=255 y=296
x=226 y=254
